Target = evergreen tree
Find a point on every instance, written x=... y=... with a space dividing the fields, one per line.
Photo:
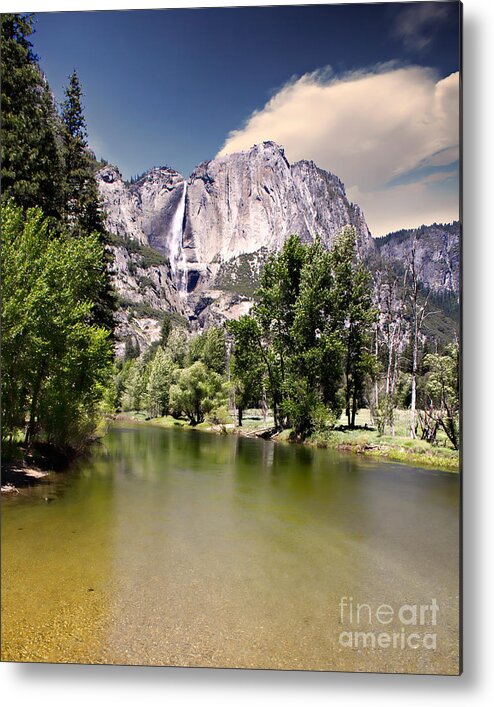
x=132 y=349
x=81 y=197
x=82 y=205
x=166 y=329
x=32 y=167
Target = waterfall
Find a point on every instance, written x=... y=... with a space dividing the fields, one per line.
x=176 y=250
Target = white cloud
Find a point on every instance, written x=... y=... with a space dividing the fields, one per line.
x=368 y=128
x=418 y=23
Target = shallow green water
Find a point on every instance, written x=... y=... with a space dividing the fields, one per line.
x=177 y=547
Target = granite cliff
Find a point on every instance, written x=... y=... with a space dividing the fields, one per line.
x=195 y=247
x=438 y=253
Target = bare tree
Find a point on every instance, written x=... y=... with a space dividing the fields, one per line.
x=418 y=314
x=390 y=336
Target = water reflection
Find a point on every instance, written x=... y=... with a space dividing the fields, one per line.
x=221 y=550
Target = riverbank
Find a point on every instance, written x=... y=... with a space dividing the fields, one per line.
x=26 y=467
x=19 y=474
x=364 y=440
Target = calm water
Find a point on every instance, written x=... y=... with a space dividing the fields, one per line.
x=177 y=547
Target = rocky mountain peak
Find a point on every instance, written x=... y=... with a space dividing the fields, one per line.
x=160 y=177
x=240 y=205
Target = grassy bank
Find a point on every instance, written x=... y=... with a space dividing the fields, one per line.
x=362 y=440
x=400 y=447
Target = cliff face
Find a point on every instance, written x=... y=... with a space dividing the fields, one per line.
x=196 y=247
x=143 y=282
x=438 y=253
x=231 y=210
x=246 y=201
x=144 y=211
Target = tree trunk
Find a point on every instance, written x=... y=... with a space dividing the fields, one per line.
x=413 y=403
x=376 y=382
x=394 y=377
x=33 y=410
x=240 y=415
x=354 y=409
x=349 y=380
x=275 y=413
x=348 y=395
x=264 y=405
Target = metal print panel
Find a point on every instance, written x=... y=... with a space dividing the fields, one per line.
x=231 y=337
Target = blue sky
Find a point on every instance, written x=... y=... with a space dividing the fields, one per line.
x=175 y=87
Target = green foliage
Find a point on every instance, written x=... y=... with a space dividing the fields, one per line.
x=135 y=385
x=177 y=346
x=309 y=329
x=219 y=416
x=209 y=347
x=56 y=345
x=247 y=365
x=304 y=408
x=147 y=257
x=82 y=202
x=32 y=163
x=354 y=315
x=242 y=274
x=145 y=283
x=132 y=349
x=166 y=329
x=83 y=211
x=55 y=362
x=116 y=387
x=150 y=257
x=443 y=391
x=162 y=371
x=275 y=314
x=317 y=336
x=144 y=309
x=279 y=290
x=197 y=392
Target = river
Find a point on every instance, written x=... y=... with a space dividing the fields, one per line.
x=178 y=547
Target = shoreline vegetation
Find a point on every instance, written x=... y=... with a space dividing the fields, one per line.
x=25 y=466
x=363 y=440
x=27 y=469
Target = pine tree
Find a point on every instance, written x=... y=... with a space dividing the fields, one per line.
x=82 y=205
x=32 y=168
x=82 y=200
